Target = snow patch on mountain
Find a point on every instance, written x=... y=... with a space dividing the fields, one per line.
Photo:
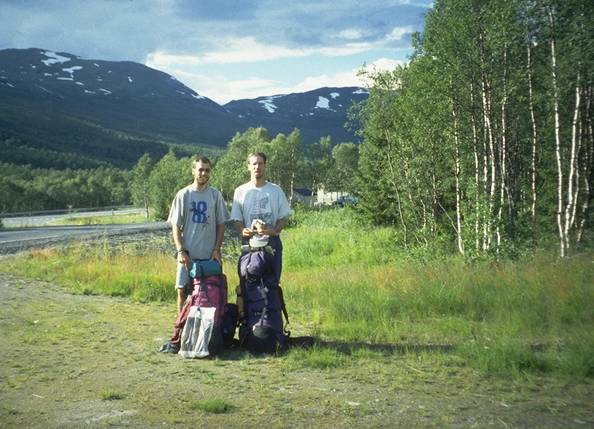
x=71 y=70
x=54 y=58
x=334 y=94
x=323 y=103
x=267 y=103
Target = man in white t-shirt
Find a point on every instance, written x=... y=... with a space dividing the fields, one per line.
x=197 y=217
x=261 y=208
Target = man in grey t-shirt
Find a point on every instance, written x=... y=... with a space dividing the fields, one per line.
x=197 y=217
x=260 y=200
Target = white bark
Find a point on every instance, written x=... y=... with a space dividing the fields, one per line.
x=558 y=155
x=459 y=240
x=573 y=170
x=534 y=133
x=476 y=171
x=503 y=156
x=587 y=163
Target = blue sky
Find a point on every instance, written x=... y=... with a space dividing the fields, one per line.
x=225 y=49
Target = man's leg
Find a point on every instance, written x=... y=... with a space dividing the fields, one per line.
x=277 y=245
x=181 y=280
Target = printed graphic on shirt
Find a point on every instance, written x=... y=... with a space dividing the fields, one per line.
x=199 y=211
x=262 y=209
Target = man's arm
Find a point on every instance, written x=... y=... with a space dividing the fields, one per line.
x=182 y=254
x=181 y=299
x=280 y=224
x=216 y=253
x=242 y=230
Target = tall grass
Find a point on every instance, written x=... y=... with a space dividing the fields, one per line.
x=349 y=283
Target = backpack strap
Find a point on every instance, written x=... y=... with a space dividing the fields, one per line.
x=284 y=309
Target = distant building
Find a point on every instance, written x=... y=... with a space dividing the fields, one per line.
x=303 y=196
x=328 y=197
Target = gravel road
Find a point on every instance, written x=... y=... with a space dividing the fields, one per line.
x=18 y=239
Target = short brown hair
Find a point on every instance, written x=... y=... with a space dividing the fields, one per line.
x=201 y=159
x=260 y=154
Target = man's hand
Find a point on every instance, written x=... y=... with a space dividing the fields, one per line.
x=184 y=258
x=265 y=230
x=247 y=232
x=216 y=255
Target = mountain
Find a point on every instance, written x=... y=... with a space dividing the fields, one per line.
x=59 y=110
x=316 y=113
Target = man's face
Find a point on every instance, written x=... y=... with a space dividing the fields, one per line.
x=201 y=172
x=257 y=166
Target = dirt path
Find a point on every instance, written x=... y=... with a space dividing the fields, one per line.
x=70 y=361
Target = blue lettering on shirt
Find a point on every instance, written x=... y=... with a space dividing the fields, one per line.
x=199 y=210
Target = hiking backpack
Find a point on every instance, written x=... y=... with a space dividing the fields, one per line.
x=260 y=303
x=210 y=291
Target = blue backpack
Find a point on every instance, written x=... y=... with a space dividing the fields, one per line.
x=260 y=303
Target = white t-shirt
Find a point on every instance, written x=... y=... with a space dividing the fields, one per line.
x=268 y=203
x=197 y=214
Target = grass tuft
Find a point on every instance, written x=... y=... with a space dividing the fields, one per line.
x=111 y=395
x=213 y=406
x=315 y=358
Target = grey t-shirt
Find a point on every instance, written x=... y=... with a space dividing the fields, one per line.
x=197 y=214
x=268 y=203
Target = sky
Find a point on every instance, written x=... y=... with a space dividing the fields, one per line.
x=226 y=49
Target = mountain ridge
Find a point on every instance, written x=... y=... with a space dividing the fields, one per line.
x=114 y=111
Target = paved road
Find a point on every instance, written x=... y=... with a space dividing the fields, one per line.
x=43 y=220
x=15 y=239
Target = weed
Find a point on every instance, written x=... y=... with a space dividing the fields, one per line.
x=214 y=406
x=111 y=395
x=315 y=358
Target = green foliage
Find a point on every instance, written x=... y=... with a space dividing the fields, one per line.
x=451 y=138
x=23 y=188
x=167 y=177
x=346 y=160
x=230 y=170
x=140 y=191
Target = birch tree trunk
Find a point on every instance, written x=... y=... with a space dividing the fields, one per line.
x=534 y=133
x=476 y=170
x=588 y=160
x=571 y=194
x=558 y=154
x=503 y=172
x=457 y=173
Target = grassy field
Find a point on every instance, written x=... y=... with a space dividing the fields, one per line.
x=115 y=218
x=400 y=343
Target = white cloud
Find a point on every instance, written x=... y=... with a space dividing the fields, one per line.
x=161 y=59
x=249 y=50
x=384 y=64
x=350 y=34
x=223 y=90
x=233 y=50
x=398 y=33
